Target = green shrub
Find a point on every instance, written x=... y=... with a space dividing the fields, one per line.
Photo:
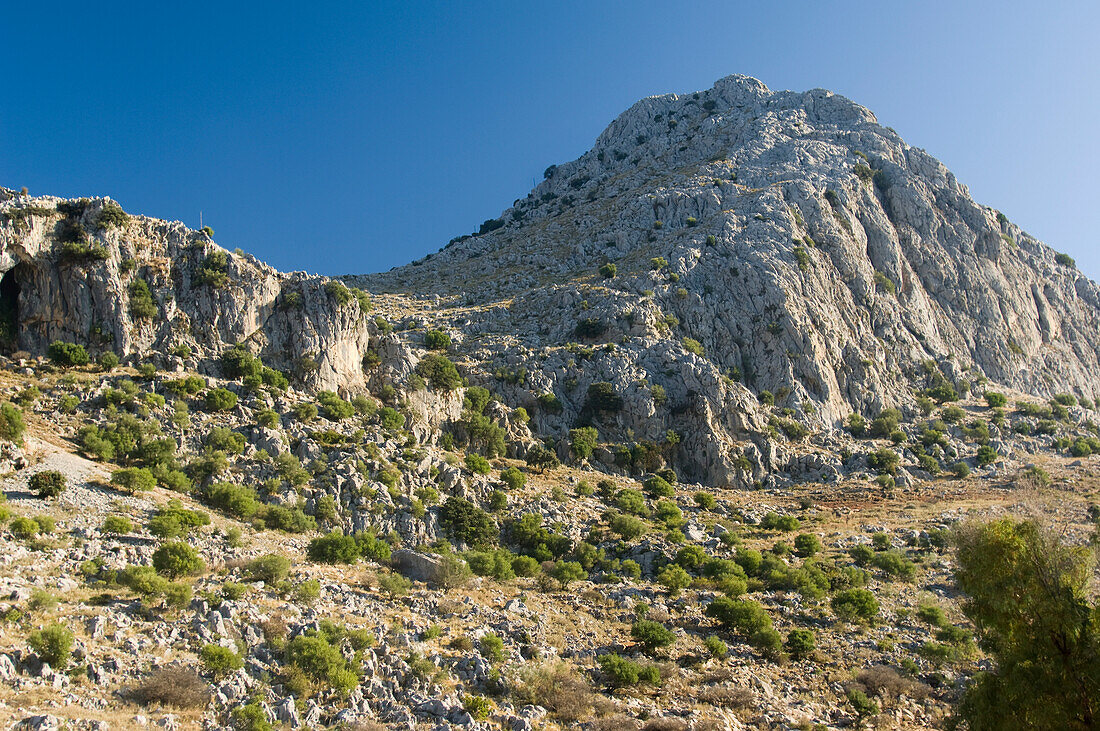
x=236 y=500
x=715 y=647
x=627 y=527
x=437 y=340
x=855 y=604
x=333 y=407
x=622 y=672
x=895 y=565
x=651 y=636
x=117 y=525
x=478 y=464
x=657 y=486
x=467 y=523
x=322 y=662
x=22 y=527
x=807 y=545
x=111 y=215
x=566 y=572
x=250 y=716
x=175 y=559
x=11 y=423
x=53 y=644
x=270 y=568
x=743 y=616
x=1065 y=260
x=603 y=398
x=67 y=354
x=334 y=548
x=995 y=400
x=439 y=372
x=705 y=500
x=47 y=484
x=674 y=578
x=214 y=270
x=394 y=584
x=800 y=643
x=961 y=469
x=220 y=661
x=513 y=478
x=608 y=270
x=220 y=399
x=142 y=306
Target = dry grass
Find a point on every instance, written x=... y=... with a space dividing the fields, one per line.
x=562 y=690
x=885 y=682
x=725 y=696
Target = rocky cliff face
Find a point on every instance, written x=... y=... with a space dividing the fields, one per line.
x=714 y=254
x=73 y=271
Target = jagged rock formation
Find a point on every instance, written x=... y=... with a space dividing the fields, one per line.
x=762 y=241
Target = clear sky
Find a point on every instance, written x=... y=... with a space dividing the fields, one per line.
x=353 y=137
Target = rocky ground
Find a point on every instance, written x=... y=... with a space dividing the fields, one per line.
x=450 y=648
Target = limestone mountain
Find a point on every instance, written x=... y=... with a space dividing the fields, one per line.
x=723 y=274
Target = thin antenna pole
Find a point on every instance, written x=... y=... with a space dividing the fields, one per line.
x=200 y=220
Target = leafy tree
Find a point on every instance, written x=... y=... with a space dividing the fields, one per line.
x=541 y=458
x=567 y=572
x=1028 y=596
x=133 y=479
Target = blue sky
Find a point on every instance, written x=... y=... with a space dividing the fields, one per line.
x=353 y=137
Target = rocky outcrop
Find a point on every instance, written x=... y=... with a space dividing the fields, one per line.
x=70 y=273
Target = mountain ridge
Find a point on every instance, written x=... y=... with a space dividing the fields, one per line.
x=780 y=260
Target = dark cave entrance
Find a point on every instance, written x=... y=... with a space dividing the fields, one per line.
x=9 y=311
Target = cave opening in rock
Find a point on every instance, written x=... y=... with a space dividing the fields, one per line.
x=9 y=311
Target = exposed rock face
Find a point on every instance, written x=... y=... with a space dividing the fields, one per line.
x=762 y=241
x=84 y=295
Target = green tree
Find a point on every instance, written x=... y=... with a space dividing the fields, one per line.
x=1028 y=596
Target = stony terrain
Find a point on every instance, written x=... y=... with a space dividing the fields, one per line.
x=678 y=441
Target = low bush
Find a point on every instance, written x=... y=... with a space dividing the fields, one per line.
x=175 y=559
x=53 y=644
x=220 y=661
x=174 y=686
x=47 y=484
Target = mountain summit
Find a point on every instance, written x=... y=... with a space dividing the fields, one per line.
x=724 y=273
